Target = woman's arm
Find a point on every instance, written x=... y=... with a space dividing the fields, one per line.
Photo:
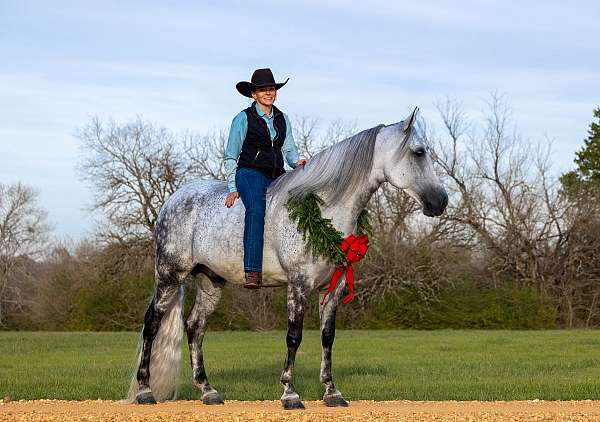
x=289 y=148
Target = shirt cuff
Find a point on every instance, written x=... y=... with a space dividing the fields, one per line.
x=231 y=187
x=292 y=159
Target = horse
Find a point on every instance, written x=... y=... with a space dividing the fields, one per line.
x=198 y=239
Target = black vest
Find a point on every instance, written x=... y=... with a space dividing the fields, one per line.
x=258 y=151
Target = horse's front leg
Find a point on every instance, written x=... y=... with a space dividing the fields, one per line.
x=296 y=296
x=327 y=310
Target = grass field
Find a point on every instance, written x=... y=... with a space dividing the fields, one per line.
x=376 y=365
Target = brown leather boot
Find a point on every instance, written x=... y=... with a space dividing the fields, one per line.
x=253 y=280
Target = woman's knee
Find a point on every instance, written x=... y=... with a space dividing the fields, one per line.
x=256 y=211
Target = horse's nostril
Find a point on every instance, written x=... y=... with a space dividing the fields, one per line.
x=428 y=205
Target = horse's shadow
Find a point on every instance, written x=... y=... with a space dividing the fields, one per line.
x=261 y=380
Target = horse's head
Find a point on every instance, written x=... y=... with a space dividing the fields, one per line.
x=406 y=163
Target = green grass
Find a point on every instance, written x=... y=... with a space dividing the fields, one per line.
x=377 y=365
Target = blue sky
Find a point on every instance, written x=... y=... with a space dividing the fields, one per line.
x=176 y=63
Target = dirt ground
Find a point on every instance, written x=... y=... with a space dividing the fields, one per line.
x=101 y=410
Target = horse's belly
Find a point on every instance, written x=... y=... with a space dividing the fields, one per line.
x=222 y=250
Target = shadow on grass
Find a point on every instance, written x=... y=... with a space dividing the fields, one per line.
x=261 y=380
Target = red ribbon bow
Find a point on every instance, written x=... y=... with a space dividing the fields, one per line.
x=355 y=247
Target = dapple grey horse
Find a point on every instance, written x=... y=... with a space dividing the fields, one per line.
x=197 y=236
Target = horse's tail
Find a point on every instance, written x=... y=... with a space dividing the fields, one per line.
x=165 y=360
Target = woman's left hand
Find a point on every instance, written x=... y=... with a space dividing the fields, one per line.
x=301 y=162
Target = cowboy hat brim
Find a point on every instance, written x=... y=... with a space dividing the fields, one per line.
x=245 y=88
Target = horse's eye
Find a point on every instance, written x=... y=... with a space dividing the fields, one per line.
x=419 y=152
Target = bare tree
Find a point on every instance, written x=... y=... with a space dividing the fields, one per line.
x=311 y=138
x=23 y=237
x=206 y=154
x=506 y=206
x=497 y=200
x=132 y=168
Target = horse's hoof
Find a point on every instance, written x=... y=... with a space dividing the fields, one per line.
x=335 y=401
x=212 y=398
x=292 y=404
x=145 y=398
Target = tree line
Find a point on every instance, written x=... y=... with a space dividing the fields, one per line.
x=516 y=247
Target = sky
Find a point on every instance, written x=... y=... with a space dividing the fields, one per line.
x=176 y=63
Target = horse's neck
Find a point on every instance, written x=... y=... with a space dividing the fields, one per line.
x=344 y=214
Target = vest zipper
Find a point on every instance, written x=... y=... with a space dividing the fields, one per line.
x=255 y=157
x=273 y=152
x=272 y=141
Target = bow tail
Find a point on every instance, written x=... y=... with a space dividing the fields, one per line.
x=350 y=283
x=334 y=279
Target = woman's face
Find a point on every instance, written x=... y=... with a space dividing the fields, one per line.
x=265 y=96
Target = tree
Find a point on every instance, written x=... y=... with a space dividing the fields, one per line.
x=206 y=154
x=311 y=138
x=586 y=177
x=23 y=237
x=133 y=168
x=581 y=193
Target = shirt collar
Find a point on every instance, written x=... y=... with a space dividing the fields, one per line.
x=261 y=113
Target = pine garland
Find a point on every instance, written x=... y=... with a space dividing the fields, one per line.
x=363 y=225
x=323 y=239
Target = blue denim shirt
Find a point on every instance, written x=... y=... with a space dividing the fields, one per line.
x=237 y=134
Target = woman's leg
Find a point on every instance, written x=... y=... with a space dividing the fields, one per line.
x=252 y=187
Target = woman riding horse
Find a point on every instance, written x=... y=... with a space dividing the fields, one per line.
x=199 y=242
x=259 y=137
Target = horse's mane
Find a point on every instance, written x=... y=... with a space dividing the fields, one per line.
x=332 y=173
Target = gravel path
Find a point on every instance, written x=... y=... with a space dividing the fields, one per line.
x=101 y=410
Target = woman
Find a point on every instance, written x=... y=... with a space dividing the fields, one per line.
x=259 y=138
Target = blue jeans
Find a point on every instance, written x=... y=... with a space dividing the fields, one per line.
x=252 y=187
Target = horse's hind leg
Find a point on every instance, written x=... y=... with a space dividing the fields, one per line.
x=167 y=289
x=208 y=292
x=327 y=310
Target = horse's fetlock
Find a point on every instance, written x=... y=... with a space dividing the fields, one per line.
x=142 y=377
x=286 y=378
x=325 y=378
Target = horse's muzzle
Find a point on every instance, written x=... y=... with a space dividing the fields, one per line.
x=434 y=201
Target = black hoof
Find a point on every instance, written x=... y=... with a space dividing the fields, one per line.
x=212 y=398
x=145 y=398
x=335 y=401
x=292 y=404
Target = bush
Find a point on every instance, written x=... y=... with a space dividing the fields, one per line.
x=459 y=306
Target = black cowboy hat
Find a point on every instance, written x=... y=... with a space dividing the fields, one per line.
x=260 y=78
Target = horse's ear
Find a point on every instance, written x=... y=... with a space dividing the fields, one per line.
x=407 y=124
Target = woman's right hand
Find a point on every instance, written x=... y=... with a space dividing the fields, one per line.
x=231 y=199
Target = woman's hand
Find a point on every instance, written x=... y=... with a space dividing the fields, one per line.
x=231 y=199
x=301 y=162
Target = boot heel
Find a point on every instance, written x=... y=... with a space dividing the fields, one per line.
x=253 y=280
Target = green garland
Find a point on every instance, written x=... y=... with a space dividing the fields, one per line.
x=323 y=239
x=363 y=225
